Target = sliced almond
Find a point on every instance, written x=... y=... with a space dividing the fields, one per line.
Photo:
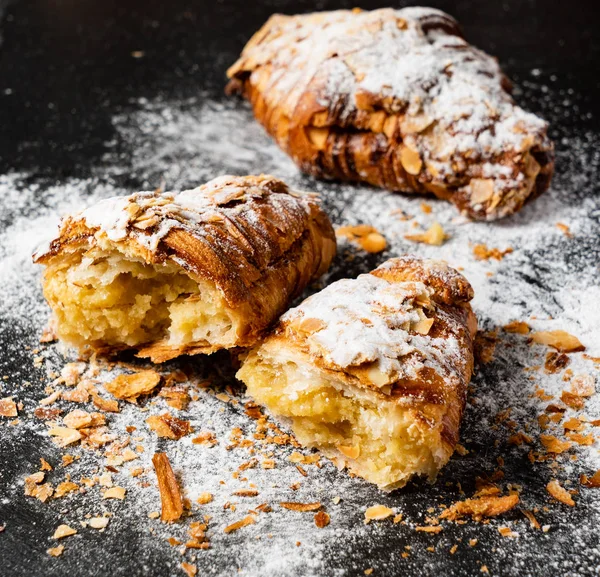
x=560 y=493
x=560 y=340
x=63 y=531
x=8 y=407
x=302 y=507
x=317 y=136
x=130 y=387
x=482 y=189
x=170 y=493
x=411 y=160
x=378 y=513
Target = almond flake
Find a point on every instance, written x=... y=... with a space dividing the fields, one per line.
x=55 y=551
x=518 y=327
x=114 y=493
x=321 y=519
x=64 y=488
x=591 y=482
x=169 y=427
x=481 y=507
x=559 y=340
x=559 y=493
x=64 y=436
x=434 y=235
x=98 y=522
x=554 y=445
x=429 y=529
x=190 y=570
x=8 y=407
x=130 y=387
x=248 y=520
x=378 y=513
x=204 y=498
x=170 y=493
x=302 y=507
x=63 y=531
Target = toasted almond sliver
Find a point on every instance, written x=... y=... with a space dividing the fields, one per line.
x=63 y=531
x=189 y=569
x=555 y=445
x=55 y=551
x=591 y=482
x=77 y=419
x=377 y=513
x=560 y=340
x=64 y=488
x=481 y=507
x=170 y=427
x=204 y=498
x=130 y=387
x=170 y=493
x=434 y=235
x=8 y=407
x=429 y=529
x=322 y=519
x=583 y=385
x=114 y=493
x=302 y=507
x=518 y=327
x=248 y=520
x=64 y=436
x=246 y=493
x=560 y=493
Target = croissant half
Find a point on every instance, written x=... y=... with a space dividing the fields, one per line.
x=397 y=99
x=373 y=371
x=183 y=273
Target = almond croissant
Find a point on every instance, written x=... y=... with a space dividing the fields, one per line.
x=397 y=99
x=184 y=273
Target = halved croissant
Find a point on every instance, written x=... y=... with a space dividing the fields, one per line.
x=373 y=371
x=397 y=99
x=183 y=273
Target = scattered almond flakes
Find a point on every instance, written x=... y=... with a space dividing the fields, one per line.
x=8 y=407
x=176 y=396
x=44 y=465
x=581 y=439
x=321 y=519
x=302 y=507
x=564 y=228
x=367 y=237
x=482 y=252
x=574 y=401
x=205 y=438
x=507 y=532
x=591 y=482
x=190 y=570
x=169 y=427
x=247 y=520
x=115 y=493
x=170 y=493
x=63 y=531
x=559 y=493
x=532 y=520
x=98 y=522
x=35 y=488
x=453 y=549
x=583 y=385
x=518 y=327
x=65 y=487
x=64 y=436
x=47 y=414
x=481 y=507
x=559 y=340
x=106 y=405
x=377 y=513
x=429 y=529
x=555 y=445
x=129 y=387
x=434 y=235
x=55 y=551
x=556 y=362
x=297 y=457
x=473 y=542
x=246 y=493
x=204 y=498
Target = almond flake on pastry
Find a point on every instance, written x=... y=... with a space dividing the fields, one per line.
x=397 y=99
x=184 y=273
x=373 y=371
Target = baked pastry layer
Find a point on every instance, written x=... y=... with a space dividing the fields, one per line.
x=373 y=371
x=184 y=273
x=397 y=99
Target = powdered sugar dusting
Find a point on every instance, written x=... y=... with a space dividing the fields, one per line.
x=549 y=281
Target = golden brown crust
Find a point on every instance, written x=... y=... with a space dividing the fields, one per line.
x=252 y=238
x=399 y=341
x=396 y=99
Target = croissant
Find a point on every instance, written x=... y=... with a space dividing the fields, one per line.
x=396 y=99
x=373 y=371
x=184 y=273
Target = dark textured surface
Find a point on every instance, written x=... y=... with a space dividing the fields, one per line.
x=66 y=73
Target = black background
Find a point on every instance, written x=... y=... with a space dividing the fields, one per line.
x=66 y=69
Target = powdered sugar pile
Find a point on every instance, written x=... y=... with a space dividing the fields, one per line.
x=550 y=280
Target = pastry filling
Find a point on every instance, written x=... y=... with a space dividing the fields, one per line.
x=106 y=298
x=380 y=441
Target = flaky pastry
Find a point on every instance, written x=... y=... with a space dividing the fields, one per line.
x=184 y=273
x=397 y=99
x=373 y=371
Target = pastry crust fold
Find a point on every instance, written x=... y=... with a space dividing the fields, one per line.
x=185 y=273
x=373 y=371
x=397 y=99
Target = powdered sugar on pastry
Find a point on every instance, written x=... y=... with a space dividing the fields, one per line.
x=414 y=87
